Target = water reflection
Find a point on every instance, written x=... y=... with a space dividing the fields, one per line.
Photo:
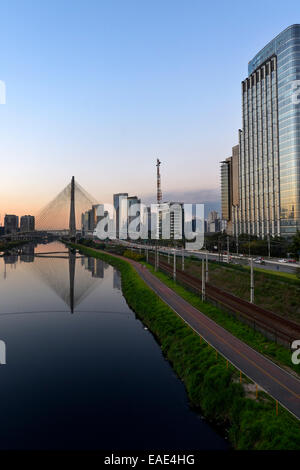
x=70 y=284
x=93 y=380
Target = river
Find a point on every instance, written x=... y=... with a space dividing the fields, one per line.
x=81 y=370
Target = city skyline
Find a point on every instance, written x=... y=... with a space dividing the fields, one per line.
x=58 y=121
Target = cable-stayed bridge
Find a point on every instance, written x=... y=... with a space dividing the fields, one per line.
x=61 y=217
x=64 y=211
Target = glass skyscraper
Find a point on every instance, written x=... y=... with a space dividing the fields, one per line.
x=269 y=141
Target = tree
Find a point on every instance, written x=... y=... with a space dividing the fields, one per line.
x=295 y=245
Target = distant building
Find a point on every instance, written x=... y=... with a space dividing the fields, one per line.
x=230 y=188
x=11 y=224
x=27 y=223
x=134 y=215
x=170 y=220
x=121 y=210
x=214 y=223
x=86 y=222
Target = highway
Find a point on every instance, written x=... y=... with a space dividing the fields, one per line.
x=272 y=264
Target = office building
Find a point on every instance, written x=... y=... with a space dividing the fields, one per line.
x=120 y=216
x=230 y=189
x=134 y=216
x=269 y=157
x=169 y=217
x=11 y=224
x=27 y=223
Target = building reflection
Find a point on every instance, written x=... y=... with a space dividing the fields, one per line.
x=95 y=266
x=116 y=280
x=74 y=284
x=27 y=253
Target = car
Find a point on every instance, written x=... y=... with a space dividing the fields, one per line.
x=282 y=260
x=292 y=261
x=259 y=261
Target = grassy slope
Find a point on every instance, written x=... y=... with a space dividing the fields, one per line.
x=212 y=387
x=274 y=291
x=256 y=340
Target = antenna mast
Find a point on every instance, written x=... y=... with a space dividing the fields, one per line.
x=159 y=194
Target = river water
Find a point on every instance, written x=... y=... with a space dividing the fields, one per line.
x=81 y=371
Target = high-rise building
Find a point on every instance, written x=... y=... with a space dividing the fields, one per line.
x=11 y=223
x=269 y=157
x=134 y=216
x=230 y=188
x=27 y=223
x=170 y=220
x=120 y=207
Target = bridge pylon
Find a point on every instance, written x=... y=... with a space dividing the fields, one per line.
x=72 y=224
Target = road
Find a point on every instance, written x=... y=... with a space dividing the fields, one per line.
x=277 y=382
x=270 y=264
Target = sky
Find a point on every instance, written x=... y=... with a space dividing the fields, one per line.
x=99 y=89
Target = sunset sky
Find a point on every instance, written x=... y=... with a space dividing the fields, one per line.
x=99 y=89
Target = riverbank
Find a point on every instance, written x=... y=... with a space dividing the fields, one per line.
x=212 y=388
x=7 y=246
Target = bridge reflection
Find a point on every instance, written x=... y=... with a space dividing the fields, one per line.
x=65 y=272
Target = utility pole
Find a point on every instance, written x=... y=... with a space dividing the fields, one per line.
x=227 y=248
x=182 y=253
x=168 y=256
x=206 y=271
x=269 y=246
x=251 y=282
x=147 y=254
x=203 y=280
x=249 y=245
x=174 y=266
x=237 y=243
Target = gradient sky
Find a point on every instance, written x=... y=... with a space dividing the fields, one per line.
x=99 y=89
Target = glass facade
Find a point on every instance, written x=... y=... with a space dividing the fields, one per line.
x=269 y=160
x=225 y=189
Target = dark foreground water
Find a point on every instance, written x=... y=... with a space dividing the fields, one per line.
x=91 y=379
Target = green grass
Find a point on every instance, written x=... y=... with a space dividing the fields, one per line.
x=277 y=292
x=277 y=275
x=211 y=387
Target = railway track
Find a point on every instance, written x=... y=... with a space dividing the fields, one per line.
x=259 y=318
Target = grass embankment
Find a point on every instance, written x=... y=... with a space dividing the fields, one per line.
x=278 y=292
x=276 y=352
x=211 y=387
